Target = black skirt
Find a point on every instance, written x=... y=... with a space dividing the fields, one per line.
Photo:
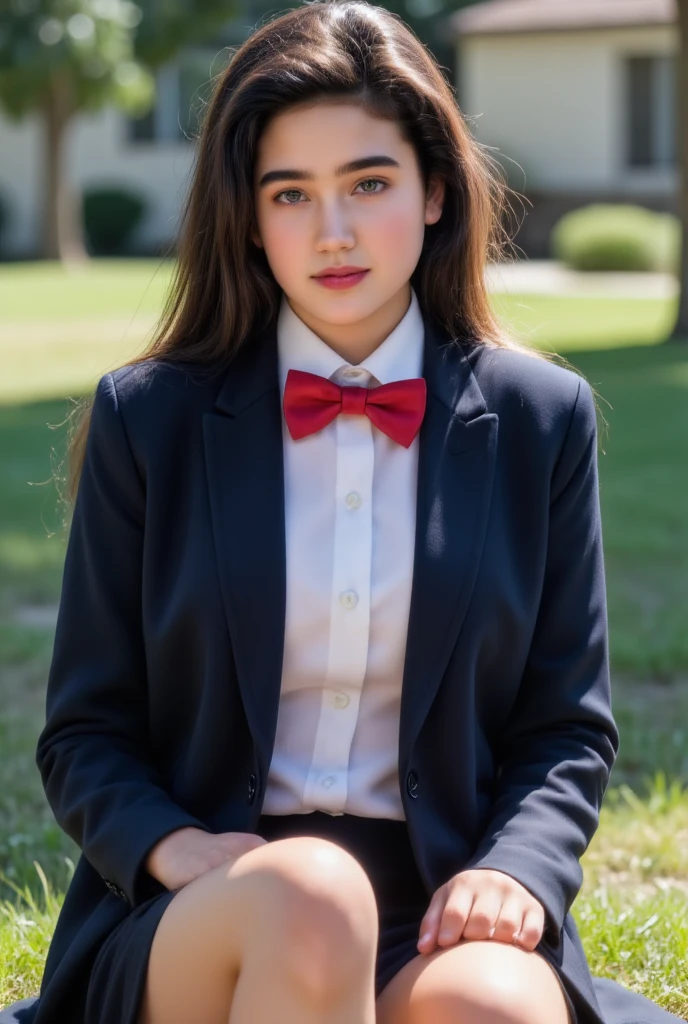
x=381 y=845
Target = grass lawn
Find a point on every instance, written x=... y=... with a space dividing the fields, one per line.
x=60 y=332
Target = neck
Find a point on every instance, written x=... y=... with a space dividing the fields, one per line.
x=355 y=342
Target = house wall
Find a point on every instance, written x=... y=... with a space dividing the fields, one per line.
x=554 y=103
x=20 y=162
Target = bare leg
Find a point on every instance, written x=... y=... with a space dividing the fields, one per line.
x=474 y=982
x=288 y=932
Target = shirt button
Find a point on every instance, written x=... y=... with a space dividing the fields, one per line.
x=341 y=700
x=349 y=598
x=353 y=371
x=328 y=781
x=353 y=499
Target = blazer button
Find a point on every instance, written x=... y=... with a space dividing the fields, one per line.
x=251 y=788
x=412 y=784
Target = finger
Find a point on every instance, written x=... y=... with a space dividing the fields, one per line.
x=456 y=912
x=510 y=919
x=484 y=913
x=431 y=919
x=532 y=928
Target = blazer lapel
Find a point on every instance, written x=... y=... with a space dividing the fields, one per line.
x=456 y=459
x=245 y=472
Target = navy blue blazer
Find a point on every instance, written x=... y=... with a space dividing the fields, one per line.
x=164 y=684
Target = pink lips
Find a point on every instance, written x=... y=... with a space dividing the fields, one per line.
x=341 y=280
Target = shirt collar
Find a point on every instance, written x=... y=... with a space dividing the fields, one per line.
x=398 y=357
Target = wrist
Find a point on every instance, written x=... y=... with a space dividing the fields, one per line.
x=162 y=849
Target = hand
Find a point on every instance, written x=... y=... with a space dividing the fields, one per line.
x=189 y=852
x=482 y=904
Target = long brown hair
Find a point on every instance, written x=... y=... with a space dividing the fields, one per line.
x=339 y=50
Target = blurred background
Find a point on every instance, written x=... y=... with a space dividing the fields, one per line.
x=584 y=105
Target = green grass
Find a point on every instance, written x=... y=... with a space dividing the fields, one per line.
x=59 y=333
x=62 y=329
x=631 y=911
x=568 y=324
x=44 y=291
x=643 y=396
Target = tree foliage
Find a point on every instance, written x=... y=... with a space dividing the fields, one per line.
x=107 y=48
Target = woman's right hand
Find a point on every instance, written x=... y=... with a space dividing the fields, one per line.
x=189 y=852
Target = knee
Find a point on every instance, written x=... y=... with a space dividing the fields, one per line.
x=487 y=989
x=322 y=907
x=499 y=999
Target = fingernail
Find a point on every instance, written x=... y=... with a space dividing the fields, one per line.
x=425 y=938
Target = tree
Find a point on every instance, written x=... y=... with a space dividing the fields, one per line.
x=62 y=57
x=679 y=332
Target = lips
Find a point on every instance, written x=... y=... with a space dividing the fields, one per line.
x=340 y=271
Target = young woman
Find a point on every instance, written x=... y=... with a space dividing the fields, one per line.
x=329 y=709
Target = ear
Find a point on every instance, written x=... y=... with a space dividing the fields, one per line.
x=434 y=199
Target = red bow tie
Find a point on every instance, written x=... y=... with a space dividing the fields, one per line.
x=311 y=402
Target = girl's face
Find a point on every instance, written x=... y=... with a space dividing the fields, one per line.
x=313 y=217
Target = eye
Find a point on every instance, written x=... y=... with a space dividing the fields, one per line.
x=365 y=181
x=377 y=181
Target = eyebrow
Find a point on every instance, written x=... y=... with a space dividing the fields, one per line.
x=347 y=168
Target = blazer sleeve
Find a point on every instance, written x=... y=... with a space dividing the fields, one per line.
x=561 y=740
x=93 y=753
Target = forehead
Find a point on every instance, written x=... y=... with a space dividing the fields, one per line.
x=329 y=128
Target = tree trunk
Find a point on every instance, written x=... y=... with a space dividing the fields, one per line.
x=679 y=332
x=62 y=216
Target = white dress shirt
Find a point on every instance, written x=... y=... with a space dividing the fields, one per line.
x=350 y=517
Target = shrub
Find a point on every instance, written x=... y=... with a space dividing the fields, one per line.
x=110 y=216
x=619 y=236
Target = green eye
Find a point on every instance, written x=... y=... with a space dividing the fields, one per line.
x=377 y=181
x=365 y=181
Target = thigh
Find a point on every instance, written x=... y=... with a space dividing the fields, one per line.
x=474 y=982
x=279 y=902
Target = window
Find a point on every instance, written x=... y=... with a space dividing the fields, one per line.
x=182 y=91
x=651 y=111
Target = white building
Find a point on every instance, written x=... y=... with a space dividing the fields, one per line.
x=575 y=97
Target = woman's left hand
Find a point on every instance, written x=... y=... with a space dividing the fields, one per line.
x=482 y=904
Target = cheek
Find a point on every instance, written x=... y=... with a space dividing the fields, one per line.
x=282 y=240
x=397 y=234
x=398 y=228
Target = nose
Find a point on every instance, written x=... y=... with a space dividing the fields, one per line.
x=334 y=228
